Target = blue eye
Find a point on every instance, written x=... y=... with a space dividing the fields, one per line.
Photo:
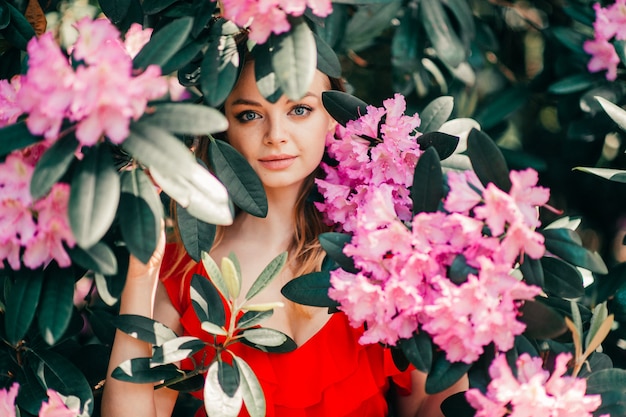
x=246 y=116
x=301 y=110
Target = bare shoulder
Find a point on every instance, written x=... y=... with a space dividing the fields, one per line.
x=164 y=311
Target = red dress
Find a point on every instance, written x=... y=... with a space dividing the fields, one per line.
x=330 y=375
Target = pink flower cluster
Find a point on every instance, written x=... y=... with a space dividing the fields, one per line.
x=40 y=227
x=99 y=92
x=265 y=17
x=363 y=168
x=54 y=407
x=534 y=392
x=610 y=24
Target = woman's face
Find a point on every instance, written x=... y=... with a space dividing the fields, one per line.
x=283 y=141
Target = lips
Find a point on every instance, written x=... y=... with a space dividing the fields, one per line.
x=277 y=162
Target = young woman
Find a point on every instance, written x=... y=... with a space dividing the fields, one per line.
x=329 y=374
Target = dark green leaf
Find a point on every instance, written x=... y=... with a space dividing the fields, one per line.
x=605 y=380
x=253 y=318
x=5 y=15
x=141 y=213
x=399 y=358
x=187 y=53
x=462 y=12
x=334 y=25
x=206 y=301
x=333 y=243
x=443 y=143
x=16 y=136
x=267 y=275
x=243 y=184
x=19 y=31
x=139 y=371
x=573 y=84
x=532 y=271
x=52 y=165
x=217 y=402
x=444 y=374
x=269 y=340
x=436 y=113
x=266 y=80
x=343 y=107
x=459 y=270
x=368 y=22
x=21 y=304
x=561 y=278
x=115 y=10
x=294 y=59
x=155 y=6
x=32 y=391
x=418 y=350
x=614 y=111
x=457 y=406
x=542 y=322
x=251 y=389
x=99 y=258
x=310 y=289
x=228 y=377
x=327 y=60
x=608 y=285
x=144 y=328
x=164 y=43
x=565 y=244
x=427 y=188
x=441 y=33
x=197 y=236
x=219 y=70
x=57 y=302
x=175 y=350
x=190 y=384
x=500 y=108
x=204 y=14
x=94 y=196
x=193 y=119
x=487 y=160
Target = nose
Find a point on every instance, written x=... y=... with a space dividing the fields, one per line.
x=277 y=131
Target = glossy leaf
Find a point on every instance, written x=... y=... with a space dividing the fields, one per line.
x=155 y=6
x=444 y=144
x=56 y=305
x=343 y=107
x=94 y=196
x=216 y=401
x=487 y=160
x=174 y=350
x=228 y=377
x=204 y=14
x=459 y=270
x=219 y=69
x=310 y=289
x=16 y=136
x=52 y=165
x=197 y=236
x=115 y=10
x=192 y=119
x=614 y=111
x=418 y=350
x=573 y=84
x=99 y=258
x=294 y=59
x=266 y=80
x=502 y=107
x=32 y=392
x=141 y=213
x=265 y=337
x=616 y=175
x=5 y=15
x=456 y=405
x=206 y=301
x=427 y=188
x=253 y=318
x=605 y=380
x=441 y=33
x=187 y=53
x=436 y=113
x=561 y=278
x=155 y=147
x=190 y=384
x=139 y=371
x=215 y=275
x=532 y=271
x=542 y=322
x=327 y=60
x=607 y=285
x=21 y=304
x=444 y=374
x=266 y=276
x=214 y=329
x=565 y=244
x=164 y=43
x=333 y=243
x=368 y=22
x=19 y=31
x=144 y=328
x=251 y=389
x=243 y=184
x=231 y=277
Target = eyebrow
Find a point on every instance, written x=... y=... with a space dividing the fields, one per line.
x=248 y=102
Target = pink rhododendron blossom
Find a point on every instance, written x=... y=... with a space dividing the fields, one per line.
x=264 y=17
x=533 y=392
x=465 y=191
x=101 y=95
x=53 y=407
x=39 y=227
x=7 y=400
x=9 y=110
x=136 y=37
x=610 y=24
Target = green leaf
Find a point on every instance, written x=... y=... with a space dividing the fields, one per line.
x=31 y=393
x=16 y=136
x=266 y=80
x=141 y=213
x=115 y=10
x=565 y=244
x=139 y=371
x=228 y=377
x=327 y=60
x=616 y=113
x=21 y=304
x=5 y=15
x=343 y=107
x=444 y=144
x=188 y=52
x=436 y=113
x=441 y=33
x=333 y=243
x=164 y=43
x=251 y=389
x=243 y=184
x=265 y=337
x=175 y=350
x=197 y=236
x=608 y=285
x=310 y=289
x=215 y=275
x=367 y=23
x=56 y=305
x=294 y=59
x=216 y=401
x=573 y=84
x=214 y=329
x=144 y=328
x=206 y=301
x=252 y=318
x=600 y=313
x=52 y=165
x=94 y=196
x=459 y=270
x=444 y=374
x=561 y=278
x=542 y=322
x=192 y=119
x=616 y=175
x=532 y=271
x=99 y=258
x=487 y=160
x=189 y=384
x=267 y=275
x=605 y=380
x=219 y=70
x=204 y=13
x=457 y=405
x=155 y=147
x=418 y=350
x=500 y=108
x=19 y=31
x=151 y=7
x=427 y=188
